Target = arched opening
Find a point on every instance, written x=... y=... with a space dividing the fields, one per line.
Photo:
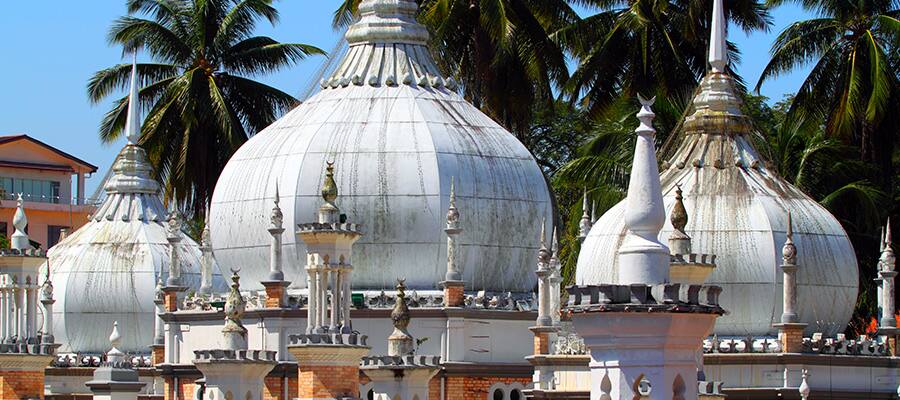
x=497 y=395
x=516 y=394
x=370 y=395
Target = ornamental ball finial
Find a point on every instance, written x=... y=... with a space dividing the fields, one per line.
x=329 y=188
x=679 y=215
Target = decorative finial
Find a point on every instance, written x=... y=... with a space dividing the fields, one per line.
x=584 y=226
x=718 y=55
x=277 y=215
x=679 y=215
x=804 y=385
x=114 y=355
x=47 y=286
x=174 y=227
x=543 y=252
x=329 y=188
x=19 y=239
x=452 y=211
x=160 y=294
x=888 y=258
x=400 y=314
x=554 y=244
x=133 y=118
x=593 y=212
x=789 y=251
x=234 y=331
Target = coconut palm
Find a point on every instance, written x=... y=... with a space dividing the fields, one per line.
x=501 y=51
x=199 y=95
x=852 y=88
x=646 y=46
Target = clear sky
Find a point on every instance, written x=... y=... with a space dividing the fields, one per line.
x=52 y=47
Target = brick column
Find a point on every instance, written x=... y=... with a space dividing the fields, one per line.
x=454 y=295
x=542 y=339
x=22 y=376
x=791 y=337
x=276 y=293
x=328 y=368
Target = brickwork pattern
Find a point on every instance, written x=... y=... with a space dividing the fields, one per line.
x=186 y=388
x=791 y=339
x=454 y=296
x=328 y=382
x=158 y=354
x=21 y=384
x=170 y=298
x=476 y=387
x=434 y=388
x=274 y=295
x=541 y=343
x=274 y=389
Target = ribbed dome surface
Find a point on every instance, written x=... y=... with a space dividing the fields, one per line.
x=107 y=270
x=397 y=135
x=737 y=210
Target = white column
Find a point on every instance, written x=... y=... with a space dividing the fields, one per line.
x=31 y=311
x=20 y=312
x=544 y=298
x=323 y=296
x=312 y=308
x=888 y=309
x=335 y=299
x=348 y=298
x=48 y=319
x=159 y=325
x=4 y=315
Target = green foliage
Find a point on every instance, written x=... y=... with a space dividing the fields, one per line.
x=199 y=96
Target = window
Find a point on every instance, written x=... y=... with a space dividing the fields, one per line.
x=498 y=394
x=53 y=234
x=515 y=394
x=35 y=190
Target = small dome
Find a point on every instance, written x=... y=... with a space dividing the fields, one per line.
x=737 y=210
x=397 y=133
x=107 y=270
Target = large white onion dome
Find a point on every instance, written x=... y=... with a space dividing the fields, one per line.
x=737 y=209
x=397 y=133
x=107 y=270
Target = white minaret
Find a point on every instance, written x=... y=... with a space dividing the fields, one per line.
x=543 y=274
x=555 y=280
x=453 y=284
x=888 y=262
x=584 y=226
x=206 y=259
x=642 y=257
x=789 y=266
x=133 y=118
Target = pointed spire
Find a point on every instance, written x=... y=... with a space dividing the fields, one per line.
x=642 y=258
x=543 y=253
x=789 y=251
x=718 y=56
x=234 y=332
x=277 y=216
x=133 y=118
x=400 y=342
x=888 y=259
x=679 y=241
x=593 y=212
x=584 y=227
x=452 y=211
x=19 y=239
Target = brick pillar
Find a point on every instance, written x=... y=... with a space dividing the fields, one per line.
x=22 y=376
x=791 y=337
x=328 y=371
x=158 y=354
x=170 y=297
x=454 y=295
x=542 y=339
x=275 y=293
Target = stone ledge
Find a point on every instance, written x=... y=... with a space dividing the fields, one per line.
x=24 y=362
x=401 y=362
x=222 y=355
x=335 y=339
x=669 y=297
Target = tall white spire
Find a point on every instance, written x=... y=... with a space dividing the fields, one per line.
x=718 y=56
x=642 y=258
x=133 y=119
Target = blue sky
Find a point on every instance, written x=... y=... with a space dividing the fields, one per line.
x=52 y=47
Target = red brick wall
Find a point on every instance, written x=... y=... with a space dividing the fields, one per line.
x=21 y=384
x=328 y=381
x=274 y=296
x=186 y=387
x=274 y=389
x=473 y=387
x=434 y=388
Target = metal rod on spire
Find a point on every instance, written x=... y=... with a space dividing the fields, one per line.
x=718 y=56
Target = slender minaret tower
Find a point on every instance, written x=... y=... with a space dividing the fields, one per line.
x=116 y=379
x=790 y=332
x=232 y=370
x=615 y=319
x=453 y=284
x=276 y=286
x=206 y=259
x=329 y=347
x=555 y=280
x=158 y=348
x=23 y=352
x=888 y=262
x=174 y=288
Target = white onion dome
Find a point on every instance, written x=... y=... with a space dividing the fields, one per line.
x=106 y=271
x=738 y=211
x=398 y=134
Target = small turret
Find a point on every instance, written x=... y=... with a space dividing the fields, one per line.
x=400 y=343
x=234 y=332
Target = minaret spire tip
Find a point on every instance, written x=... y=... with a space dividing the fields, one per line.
x=718 y=56
x=133 y=118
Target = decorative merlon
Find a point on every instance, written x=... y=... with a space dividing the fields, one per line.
x=671 y=297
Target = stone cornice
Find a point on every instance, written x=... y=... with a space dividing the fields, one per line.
x=267 y=313
x=24 y=362
x=804 y=359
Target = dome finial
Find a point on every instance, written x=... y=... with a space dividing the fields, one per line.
x=329 y=188
x=452 y=211
x=133 y=118
x=114 y=355
x=277 y=217
x=789 y=251
x=679 y=241
x=718 y=56
x=888 y=259
x=584 y=227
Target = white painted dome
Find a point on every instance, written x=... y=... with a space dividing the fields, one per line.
x=737 y=210
x=398 y=133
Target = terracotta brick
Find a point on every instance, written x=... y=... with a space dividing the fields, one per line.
x=454 y=296
x=274 y=389
x=21 y=384
x=158 y=354
x=274 y=295
x=473 y=387
x=328 y=382
x=541 y=343
x=170 y=298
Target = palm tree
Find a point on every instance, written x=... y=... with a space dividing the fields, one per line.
x=650 y=47
x=201 y=101
x=852 y=89
x=501 y=51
